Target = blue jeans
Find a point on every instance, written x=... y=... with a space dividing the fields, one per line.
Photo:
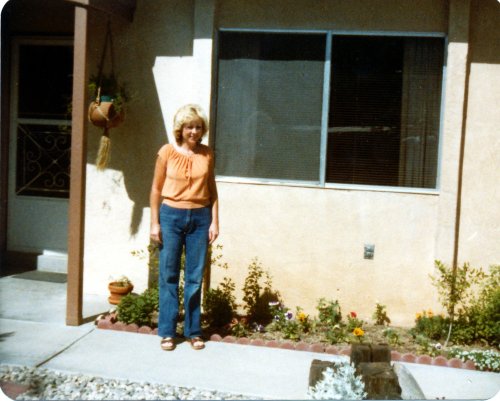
x=189 y=228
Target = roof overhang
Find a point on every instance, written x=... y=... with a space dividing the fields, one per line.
x=122 y=8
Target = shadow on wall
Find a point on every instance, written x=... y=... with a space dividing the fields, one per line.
x=485 y=35
x=153 y=33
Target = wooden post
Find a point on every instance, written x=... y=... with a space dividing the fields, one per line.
x=76 y=218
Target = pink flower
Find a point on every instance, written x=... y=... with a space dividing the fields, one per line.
x=353 y=315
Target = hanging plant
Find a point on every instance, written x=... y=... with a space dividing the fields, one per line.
x=107 y=110
x=108 y=89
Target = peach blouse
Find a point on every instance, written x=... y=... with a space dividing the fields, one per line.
x=190 y=180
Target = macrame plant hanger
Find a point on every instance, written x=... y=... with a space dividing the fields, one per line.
x=106 y=111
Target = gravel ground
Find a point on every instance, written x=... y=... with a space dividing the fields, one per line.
x=45 y=384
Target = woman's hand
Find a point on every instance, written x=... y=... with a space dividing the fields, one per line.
x=213 y=232
x=155 y=233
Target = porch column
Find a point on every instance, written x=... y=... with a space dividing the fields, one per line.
x=76 y=220
x=455 y=112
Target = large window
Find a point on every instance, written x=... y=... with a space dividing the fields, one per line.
x=350 y=110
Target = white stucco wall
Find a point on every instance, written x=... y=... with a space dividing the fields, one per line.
x=310 y=239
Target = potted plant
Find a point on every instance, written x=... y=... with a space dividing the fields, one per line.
x=107 y=108
x=107 y=111
x=118 y=289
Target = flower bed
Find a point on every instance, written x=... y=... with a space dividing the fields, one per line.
x=109 y=322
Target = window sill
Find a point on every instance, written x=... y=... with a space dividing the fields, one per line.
x=327 y=186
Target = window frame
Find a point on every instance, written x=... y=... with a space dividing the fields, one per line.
x=321 y=183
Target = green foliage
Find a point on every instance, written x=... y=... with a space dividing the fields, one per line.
x=257 y=293
x=335 y=334
x=353 y=322
x=219 y=304
x=239 y=329
x=454 y=286
x=329 y=312
x=291 y=326
x=329 y=321
x=380 y=315
x=392 y=336
x=473 y=317
x=481 y=320
x=427 y=347
x=434 y=327
x=109 y=87
x=139 y=309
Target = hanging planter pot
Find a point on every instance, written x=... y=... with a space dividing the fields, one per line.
x=104 y=113
x=107 y=110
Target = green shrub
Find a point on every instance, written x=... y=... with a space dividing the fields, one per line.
x=455 y=286
x=219 y=304
x=434 y=327
x=473 y=317
x=485 y=313
x=329 y=312
x=329 y=321
x=380 y=315
x=258 y=293
x=139 y=309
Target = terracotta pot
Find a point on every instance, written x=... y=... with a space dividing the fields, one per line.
x=104 y=114
x=118 y=292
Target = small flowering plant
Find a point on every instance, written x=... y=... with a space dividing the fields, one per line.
x=289 y=324
x=353 y=321
x=486 y=360
x=359 y=333
x=122 y=281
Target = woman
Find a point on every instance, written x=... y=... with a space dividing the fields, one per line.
x=184 y=212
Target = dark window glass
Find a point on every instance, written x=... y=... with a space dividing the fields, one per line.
x=384 y=111
x=45 y=81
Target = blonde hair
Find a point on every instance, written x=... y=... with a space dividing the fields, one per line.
x=186 y=114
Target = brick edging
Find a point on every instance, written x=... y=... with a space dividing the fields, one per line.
x=109 y=322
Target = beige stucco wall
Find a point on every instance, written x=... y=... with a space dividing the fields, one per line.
x=151 y=57
x=480 y=219
x=358 y=15
x=310 y=239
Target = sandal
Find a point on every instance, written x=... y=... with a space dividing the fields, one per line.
x=197 y=343
x=167 y=344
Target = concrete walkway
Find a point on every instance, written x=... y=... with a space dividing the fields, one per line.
x=33 y=333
